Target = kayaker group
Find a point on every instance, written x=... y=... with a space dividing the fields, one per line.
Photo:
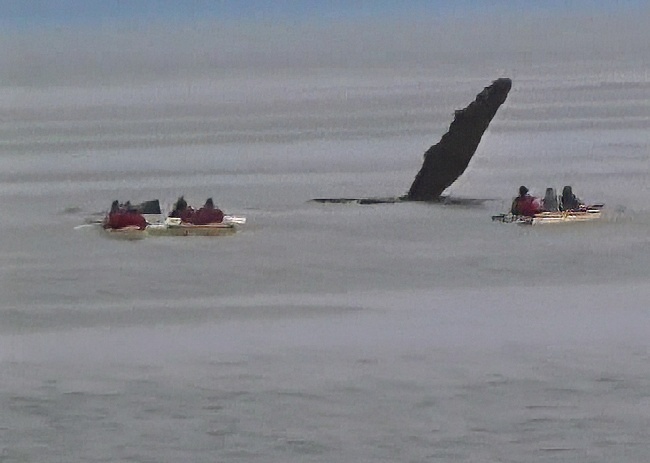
x=527 y=205
x=203 y=216
x=125 y=215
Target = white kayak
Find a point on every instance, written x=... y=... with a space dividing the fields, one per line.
x=174 y=227
x=126 y=233
x=586 y=214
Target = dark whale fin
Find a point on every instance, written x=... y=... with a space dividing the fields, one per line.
x=445 y=161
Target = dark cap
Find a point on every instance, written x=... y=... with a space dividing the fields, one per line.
x=523 y=190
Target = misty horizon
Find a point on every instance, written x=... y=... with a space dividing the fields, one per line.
x=123 y=52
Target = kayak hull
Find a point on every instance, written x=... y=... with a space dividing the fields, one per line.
x=545 y=218
x=566 y=217
x=126 y=233
x=218 y=229
x=173 y=226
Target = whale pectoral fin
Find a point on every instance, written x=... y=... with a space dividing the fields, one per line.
x=445 y=161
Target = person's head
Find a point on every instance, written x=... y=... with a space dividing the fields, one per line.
x=115 y=206
x=523 y=191
x=567 y=192
x=209 y=204
x=181 y=204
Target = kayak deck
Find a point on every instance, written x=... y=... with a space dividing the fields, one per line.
x=126 y=233
x=174 y=227
x=588 y=214
x=191 y=230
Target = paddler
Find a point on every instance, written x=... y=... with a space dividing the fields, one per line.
x=569 y=201
x=119 y=217
x=182 y=210
x=549 y=203
x=525 y=204
x=208 y=214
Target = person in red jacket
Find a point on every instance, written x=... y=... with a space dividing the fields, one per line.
x=525 y=204
x=183 y=211
x=119 y=217
x=208 y=214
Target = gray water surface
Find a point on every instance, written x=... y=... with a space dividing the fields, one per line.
x=320 y=332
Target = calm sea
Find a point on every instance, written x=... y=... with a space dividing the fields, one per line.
x=323 y=332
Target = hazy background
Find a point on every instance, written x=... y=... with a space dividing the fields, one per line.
x=75 y=42
x=322 y=333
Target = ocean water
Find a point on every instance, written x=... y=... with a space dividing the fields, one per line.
x=325 y=332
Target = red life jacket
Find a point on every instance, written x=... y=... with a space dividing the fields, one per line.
x=526 y=205
x=205 y=216
x=122 y=219
x=185 y=215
